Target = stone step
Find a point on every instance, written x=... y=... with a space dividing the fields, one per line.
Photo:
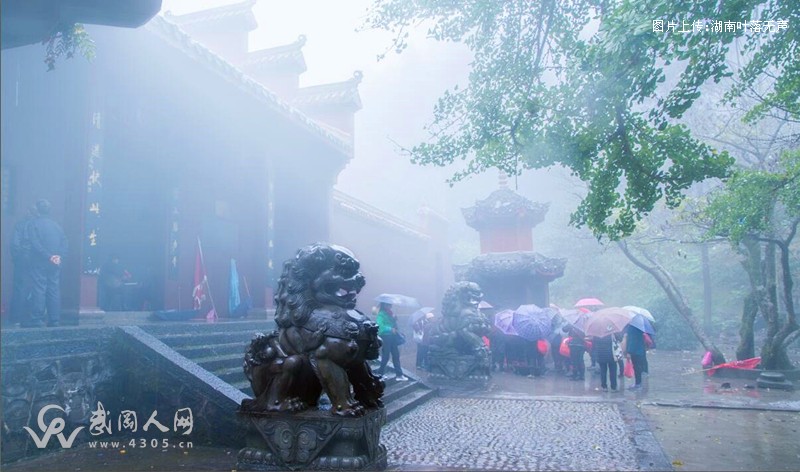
x=403 y=405
x=231 y=375
x=178 y=341
x=399 y=389
x=214 y=363
x=244 y=387
x=211 y=350
x=188 y=327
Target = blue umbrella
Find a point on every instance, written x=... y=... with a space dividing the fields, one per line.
x=399 y=300
x=642 y=324
x=532 y=322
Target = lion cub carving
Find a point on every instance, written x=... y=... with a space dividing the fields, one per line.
x=322 y=343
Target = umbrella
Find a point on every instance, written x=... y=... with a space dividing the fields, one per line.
x=642 y=324
x=482 y=305
x=589 y=302
x=503 y=321
x=576 y=318
x=419 y=314
x=641 y=311
x=532 y=322
x=399 y=300
x=606 y=321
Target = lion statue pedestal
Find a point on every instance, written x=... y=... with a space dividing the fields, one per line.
x=313 y=440
x=322 y=345
x=456 y=351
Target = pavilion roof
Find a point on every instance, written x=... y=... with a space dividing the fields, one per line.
x=504 y=206
x=335 y=93
x=287 y=55
x=494 y=265
x=241 y=12
x=173 y=34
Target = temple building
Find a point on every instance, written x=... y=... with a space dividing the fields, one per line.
x=177 y=133
x=508 y=270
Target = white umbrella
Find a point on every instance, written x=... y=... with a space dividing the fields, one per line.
x=641 y=311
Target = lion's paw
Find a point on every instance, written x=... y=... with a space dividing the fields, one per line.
x=353 y=409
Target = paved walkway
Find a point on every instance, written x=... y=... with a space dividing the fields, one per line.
x=502 y=434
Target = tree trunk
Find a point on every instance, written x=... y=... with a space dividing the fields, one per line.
x=667 y=283
x=747 y=342
x=707 y=298
x=774 y=354
x=751 y=249
x=768 y=303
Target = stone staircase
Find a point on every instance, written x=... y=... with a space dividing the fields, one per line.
x=219 y=348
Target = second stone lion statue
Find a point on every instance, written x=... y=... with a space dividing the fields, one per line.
x=455 y=342
x=322 y=343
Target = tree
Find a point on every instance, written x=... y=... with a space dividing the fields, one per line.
x=582 y=84
x=758 y=206
x=65 y=41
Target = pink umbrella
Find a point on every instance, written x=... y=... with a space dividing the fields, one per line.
x=484 y=304
x=606 y=321
x=589 y=302
x=503 y=321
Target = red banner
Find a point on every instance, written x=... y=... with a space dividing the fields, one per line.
x=743 y=364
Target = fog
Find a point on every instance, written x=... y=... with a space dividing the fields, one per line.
x=398 y=95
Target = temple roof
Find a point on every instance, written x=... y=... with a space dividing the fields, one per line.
x=181 y=40
x=336 y=93
x=375 y=215
x=238 y=14
x=289 y=56
x=510 y=264
x=504 y=206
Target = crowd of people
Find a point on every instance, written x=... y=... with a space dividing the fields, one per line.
x=564 y=352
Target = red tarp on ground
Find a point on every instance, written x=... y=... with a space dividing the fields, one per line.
x=743 y=364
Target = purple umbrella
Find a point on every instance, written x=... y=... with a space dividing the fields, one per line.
x=532 y=322
x=503 y=320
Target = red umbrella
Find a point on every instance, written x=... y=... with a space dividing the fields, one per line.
x=589 y=302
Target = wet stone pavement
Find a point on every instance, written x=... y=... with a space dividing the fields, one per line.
x=681 y=420
x=511 y=434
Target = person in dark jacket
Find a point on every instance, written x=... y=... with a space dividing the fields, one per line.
x=48 y=248
x=605 y=357
x=21 y=256
x=577 y=348
x=633 y=346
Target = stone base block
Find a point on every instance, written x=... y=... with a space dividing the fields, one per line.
x=313 y=440
x=774 y=380
x=459 y=367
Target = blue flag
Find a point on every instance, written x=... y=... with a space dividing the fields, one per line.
x=234 y=300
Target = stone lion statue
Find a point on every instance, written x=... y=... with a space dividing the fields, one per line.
x=456 y=339
x=322 y=343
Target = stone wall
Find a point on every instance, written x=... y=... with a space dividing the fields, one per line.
x=66 y=367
